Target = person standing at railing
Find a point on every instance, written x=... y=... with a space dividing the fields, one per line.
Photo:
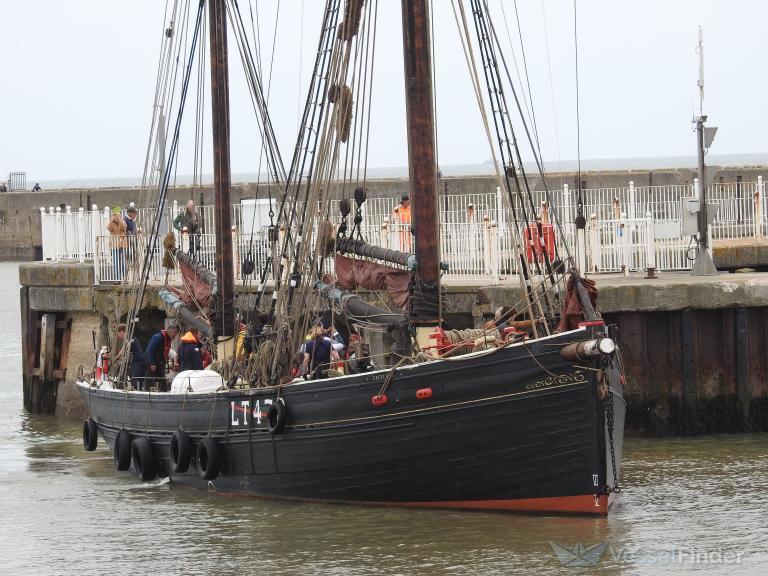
x=130 y=233
x=402 y=216
x=189 y=221
x=117 y=242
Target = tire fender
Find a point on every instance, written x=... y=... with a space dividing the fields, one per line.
x=276 y=416
x=143 y=458
x=208 y=458
x=122 y=450
x=90 y=435
x=180 y=452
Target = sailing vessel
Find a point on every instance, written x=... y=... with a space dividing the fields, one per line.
x=490 y=419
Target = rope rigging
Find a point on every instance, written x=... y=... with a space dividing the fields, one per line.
x=146 y=263
x=581 y=221
x=329 y=164
x=509 y=152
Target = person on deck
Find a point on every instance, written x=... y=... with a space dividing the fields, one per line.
x=189 y=219
x=318 y=353
x=336 y=340
x=158 y=348
x=190 y=353
x=504 y=318
x=117 y=242
x=137 y=371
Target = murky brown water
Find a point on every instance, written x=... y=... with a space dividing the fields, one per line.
x=65 y=511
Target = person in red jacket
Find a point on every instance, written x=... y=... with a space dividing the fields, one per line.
x=158 y=348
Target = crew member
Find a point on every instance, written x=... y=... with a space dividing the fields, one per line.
x=190 y=353
x=504 y=318
x=158 y=348
x=318 y=353
x=137 y=370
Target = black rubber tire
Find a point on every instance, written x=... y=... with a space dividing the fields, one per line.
x=143 y=459
x=90 y=435
x=180 y=452
x=122 y=451
x=208 y=458
x=276 y=416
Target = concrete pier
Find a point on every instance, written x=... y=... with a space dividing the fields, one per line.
x=695 y=349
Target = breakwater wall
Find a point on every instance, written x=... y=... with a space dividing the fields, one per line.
x=695 y=349
x=20 y=234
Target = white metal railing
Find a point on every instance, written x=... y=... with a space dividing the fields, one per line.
x=628 y=228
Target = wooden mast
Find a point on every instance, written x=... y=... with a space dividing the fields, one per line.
x=425 y=296
x=224 y=324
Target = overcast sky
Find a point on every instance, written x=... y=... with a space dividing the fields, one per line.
x=78 y=77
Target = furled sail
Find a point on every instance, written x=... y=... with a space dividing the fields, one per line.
x=361 y=248
x=352 y=273
x=199 y=282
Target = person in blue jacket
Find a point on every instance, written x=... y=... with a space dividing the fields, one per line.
x=158 y=348
x=190 y=353
x=138 y=368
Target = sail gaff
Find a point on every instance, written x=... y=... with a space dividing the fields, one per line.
x=361 y=248
x=184 y=313
x=356 y=307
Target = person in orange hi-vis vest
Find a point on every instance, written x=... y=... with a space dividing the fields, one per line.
x=402 y=216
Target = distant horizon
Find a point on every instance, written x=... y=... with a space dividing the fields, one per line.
x=755 y=159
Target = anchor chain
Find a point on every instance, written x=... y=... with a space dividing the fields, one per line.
x=607 y=489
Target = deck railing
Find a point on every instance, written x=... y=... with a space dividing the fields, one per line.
x=628 y=229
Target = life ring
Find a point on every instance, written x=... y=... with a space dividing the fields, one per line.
x=208 y=458
x=276 y=416
x=122 y=450
x=90 y=435
x=143 y=459
x=180 y=452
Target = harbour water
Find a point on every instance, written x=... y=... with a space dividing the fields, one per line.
x=689 y=505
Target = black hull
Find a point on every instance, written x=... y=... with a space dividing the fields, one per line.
x=500 y=431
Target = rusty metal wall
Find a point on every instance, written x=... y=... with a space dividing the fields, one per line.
x=695 y=371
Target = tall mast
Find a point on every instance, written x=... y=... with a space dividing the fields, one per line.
x=224 y=326
x=425 y=297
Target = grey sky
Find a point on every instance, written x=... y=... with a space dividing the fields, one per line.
x=78 y=79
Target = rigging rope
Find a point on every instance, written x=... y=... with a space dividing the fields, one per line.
x=580 y=220
x=146 y=264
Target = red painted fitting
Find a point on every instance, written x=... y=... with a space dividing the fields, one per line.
x=379 y=400
x=424 y=394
